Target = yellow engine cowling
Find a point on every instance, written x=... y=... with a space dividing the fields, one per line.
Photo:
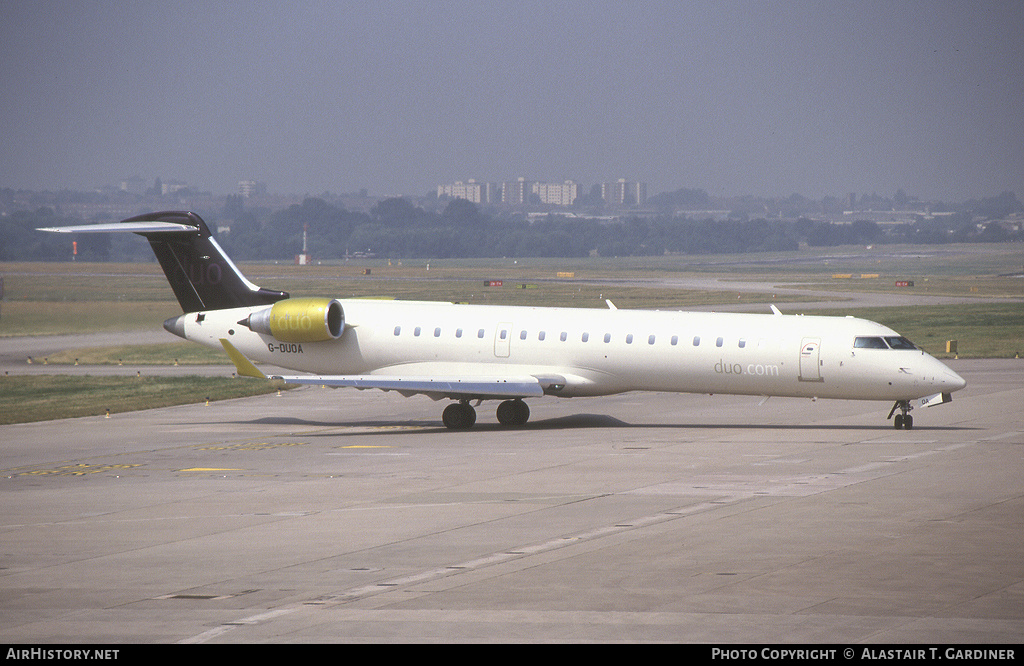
x=300 y=320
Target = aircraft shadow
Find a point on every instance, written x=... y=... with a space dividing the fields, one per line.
x=568 y=422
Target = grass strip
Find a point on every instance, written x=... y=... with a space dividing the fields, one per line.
x=28 y=398
x=172 y=353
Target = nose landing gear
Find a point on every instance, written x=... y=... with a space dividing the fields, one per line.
x=903 y=420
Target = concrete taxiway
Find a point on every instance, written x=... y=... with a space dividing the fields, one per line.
x=322 y=515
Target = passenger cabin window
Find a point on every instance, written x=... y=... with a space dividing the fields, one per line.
x=650 y=339
x=416 y=331
x=585 y=337
x=522 y=335
x=480 y=333
x=696 y=341
x=437 y=332
x=564 y=336
x=719 y=342
x=743 y=343
x=541 y=336
x=458 y=332
x=869 y=343
x=607 y=337
x=675 y=340
x=398 y=330
x=629 y=339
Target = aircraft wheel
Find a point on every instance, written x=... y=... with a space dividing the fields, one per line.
x=458 y=416
x=908 y=422
x=897 y=421
x=513 y=413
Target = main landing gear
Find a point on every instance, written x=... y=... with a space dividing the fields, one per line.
x=903 y=420
x=458 y=416
x=461 y=415
x=513 y=413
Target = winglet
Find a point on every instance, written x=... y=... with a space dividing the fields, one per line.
x=243 y=365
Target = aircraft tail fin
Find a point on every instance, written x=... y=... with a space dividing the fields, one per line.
x=201 y=274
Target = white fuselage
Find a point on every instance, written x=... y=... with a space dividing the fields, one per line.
x=600 y=351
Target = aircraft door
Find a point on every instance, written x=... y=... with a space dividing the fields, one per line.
x=503 y=340
x=810 y=363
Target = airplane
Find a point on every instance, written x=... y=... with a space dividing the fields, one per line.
x=471 y=353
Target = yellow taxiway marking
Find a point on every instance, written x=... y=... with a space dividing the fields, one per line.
x=79 y=469
x=211 y=469
x=362 y=446
x=248 y=446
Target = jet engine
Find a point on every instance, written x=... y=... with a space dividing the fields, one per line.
x=299 y=320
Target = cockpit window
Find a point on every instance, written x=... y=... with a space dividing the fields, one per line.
x=887 y=342
x=900 y=343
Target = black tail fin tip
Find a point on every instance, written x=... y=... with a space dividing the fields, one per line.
x=201 y=274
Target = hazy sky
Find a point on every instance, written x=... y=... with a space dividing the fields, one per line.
x=745 y=97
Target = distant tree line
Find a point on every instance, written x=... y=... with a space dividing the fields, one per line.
x=395 y=228
x=19 y=240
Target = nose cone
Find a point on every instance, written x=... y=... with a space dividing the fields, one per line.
x=943 y=378
x=176 y=325
x=952 y=381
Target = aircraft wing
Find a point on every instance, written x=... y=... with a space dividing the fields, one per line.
x=459 y=388
x=436 y=387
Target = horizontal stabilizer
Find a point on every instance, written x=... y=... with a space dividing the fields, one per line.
x=462 y=388
x=150 y=227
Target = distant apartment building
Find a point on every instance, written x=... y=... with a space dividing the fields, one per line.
x=557 y=194
x=624 y=193
x=172 y=186
x=516 y=191
x=134 y=185
x=479 y=193
x=522 y=191
x=251 y=188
